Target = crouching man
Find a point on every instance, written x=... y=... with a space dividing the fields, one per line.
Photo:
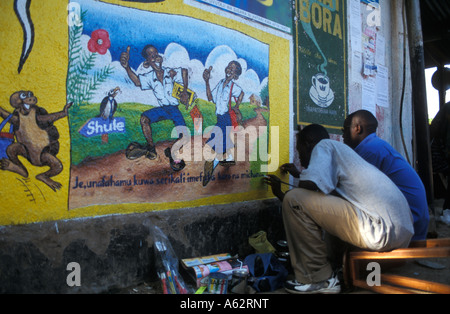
x=342 y=194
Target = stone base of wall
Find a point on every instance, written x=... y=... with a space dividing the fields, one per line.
x=117 y=251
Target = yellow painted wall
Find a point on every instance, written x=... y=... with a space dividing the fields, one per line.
x=45 y=72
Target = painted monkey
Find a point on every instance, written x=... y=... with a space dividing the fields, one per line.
x=36 y=138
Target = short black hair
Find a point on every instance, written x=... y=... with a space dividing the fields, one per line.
x=367 y=118
x=238 y=67
x=144 y=51
x=313 y=134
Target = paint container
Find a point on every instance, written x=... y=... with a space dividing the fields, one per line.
x=218 y=283
x=282 y=245
x=239 y=281
x=285 y=260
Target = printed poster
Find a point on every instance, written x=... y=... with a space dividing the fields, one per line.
x=374 y=3
x=276 y=14
x=321 y=69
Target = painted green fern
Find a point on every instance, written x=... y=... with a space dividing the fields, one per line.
x=81 y=85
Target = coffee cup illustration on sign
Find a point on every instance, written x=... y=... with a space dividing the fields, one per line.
x=320 y=92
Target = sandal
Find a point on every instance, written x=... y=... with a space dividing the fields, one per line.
x=175 y=165
x=136 y=150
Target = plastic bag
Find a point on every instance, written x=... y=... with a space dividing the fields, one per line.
x=260 y=243
x=266 y=271
x=167 y=264
x=445 y=218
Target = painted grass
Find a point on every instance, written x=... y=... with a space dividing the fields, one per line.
x=91 y=147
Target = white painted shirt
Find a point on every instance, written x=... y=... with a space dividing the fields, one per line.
x=221 y=95
x=162 y=91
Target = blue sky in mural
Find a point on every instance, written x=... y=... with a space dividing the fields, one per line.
x=182 y=41
x=136 y=28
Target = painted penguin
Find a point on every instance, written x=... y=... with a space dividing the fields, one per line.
x=108 y=105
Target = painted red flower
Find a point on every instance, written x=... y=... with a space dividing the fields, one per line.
x=99 y=41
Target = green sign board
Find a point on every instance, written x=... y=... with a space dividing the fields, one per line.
x=320 y=94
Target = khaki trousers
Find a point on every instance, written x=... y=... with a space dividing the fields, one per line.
x=306 y=214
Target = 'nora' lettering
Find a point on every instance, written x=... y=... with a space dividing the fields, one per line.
x=323 y=16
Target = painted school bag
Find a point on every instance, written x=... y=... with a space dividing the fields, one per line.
x=266 y=272
x=6 y=138
x=233 y=111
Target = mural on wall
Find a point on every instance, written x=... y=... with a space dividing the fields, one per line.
x=22 y=10
x=155 y=102
x=320 y=70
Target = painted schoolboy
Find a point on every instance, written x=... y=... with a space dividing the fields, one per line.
x=160 y=80
x=222 y=96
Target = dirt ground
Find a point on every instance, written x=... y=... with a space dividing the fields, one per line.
x=435 y=270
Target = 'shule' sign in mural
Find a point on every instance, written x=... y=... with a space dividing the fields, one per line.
x=99 y=126
x=320 y=70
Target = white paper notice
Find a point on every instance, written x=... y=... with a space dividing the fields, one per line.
x=381 y=49
x=357 y=67
x=383 y=86
x=355 y=25
x=369 y=95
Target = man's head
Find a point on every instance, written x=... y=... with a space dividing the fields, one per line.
x=152 y=57
x=307 y=139
x=358 y=126
x=234 y=70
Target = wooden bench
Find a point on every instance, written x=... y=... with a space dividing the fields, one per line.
x=356 y=276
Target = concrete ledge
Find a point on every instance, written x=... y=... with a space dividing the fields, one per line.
x=117 y=251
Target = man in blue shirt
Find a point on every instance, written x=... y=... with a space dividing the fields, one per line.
x=359 y=133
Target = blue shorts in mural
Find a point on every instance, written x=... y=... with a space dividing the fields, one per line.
x=223 y=121
x=165 y=113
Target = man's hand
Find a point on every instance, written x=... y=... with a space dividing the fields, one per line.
x=275 y=183
x=291 y=169
x=184 y=98
x=124 y=58
x=207 y=74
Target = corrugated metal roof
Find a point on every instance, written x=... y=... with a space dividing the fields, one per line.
x=436 y=31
